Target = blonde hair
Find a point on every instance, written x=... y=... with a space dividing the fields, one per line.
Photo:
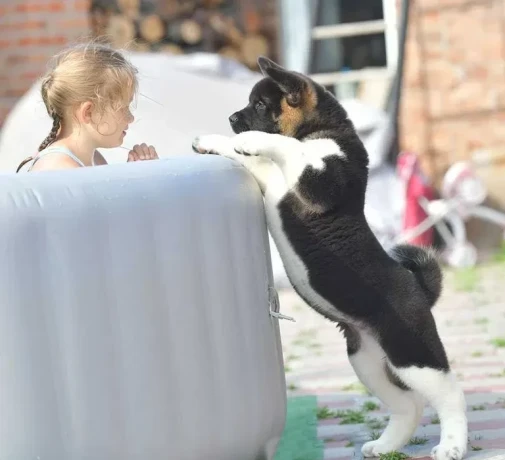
x=93 y=72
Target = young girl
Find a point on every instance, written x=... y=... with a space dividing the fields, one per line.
x=87 y=93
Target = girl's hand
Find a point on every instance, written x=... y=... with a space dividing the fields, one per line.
x=142 y=152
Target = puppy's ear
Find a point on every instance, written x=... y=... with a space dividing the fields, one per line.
x=290 y=83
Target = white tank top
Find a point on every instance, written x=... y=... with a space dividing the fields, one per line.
x=55 y=149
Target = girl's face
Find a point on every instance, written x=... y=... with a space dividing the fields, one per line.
x=110 y=127
x=106 y=129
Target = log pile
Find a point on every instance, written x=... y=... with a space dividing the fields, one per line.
x=238 y=29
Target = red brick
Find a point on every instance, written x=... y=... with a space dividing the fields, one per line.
x=82 y=5
x=24 y=25
x=77 y=23
x=28 y=41
x=30 y=75
x=36 y=7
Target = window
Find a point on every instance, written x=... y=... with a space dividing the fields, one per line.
x=353 y=41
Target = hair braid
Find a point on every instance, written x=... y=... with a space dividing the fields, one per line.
x=47 y=141
x=53 y=133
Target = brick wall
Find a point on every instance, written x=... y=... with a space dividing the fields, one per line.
x=454 y=85
x=31 y=31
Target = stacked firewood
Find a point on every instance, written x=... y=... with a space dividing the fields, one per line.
x=238 y=29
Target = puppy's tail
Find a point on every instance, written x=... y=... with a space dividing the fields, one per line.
x=423 y=263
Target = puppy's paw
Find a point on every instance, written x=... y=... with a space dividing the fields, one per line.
x=377 y=447
x=212 y=144
x=252 y=143
x=449 y=451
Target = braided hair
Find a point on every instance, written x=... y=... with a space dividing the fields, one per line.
x=54 y=130
x=53 y=133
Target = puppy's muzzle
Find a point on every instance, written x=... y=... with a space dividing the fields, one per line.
x=237 y=123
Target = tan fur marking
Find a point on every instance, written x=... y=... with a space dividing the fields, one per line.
x=292 y=117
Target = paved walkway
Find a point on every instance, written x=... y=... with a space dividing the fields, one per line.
x=471 y=321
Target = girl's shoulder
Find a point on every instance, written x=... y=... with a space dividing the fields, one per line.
x=55 y=157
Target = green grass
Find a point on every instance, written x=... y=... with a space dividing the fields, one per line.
x=357 y=387
x=435 y=420
x=351 y=417
x=324 y=413
x=347 y=417
x=498 y=374
x=350 y=444
x=479 y=407
x=481 y=320
x=291 y=358
x=418 y=441
x=376 y=424
x=477 y=354
x=498 y=342
x=499 y=256
x=292 y=387
x=370 y=406
x=374 y=435
x=476 y=448
x=393 y=456
x=466 y=279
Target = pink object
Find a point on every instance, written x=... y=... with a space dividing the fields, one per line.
x=417 y=186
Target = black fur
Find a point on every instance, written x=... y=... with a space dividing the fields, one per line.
x=389 y=295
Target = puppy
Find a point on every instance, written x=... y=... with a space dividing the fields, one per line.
x=297 y=141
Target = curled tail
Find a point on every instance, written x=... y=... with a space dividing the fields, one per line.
x=423 y=263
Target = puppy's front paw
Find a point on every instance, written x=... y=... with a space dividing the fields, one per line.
x=251 y=143
x=212 y=144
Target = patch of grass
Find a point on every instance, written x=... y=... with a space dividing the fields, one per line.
x=435 y=420
x=351 y=417
x=292 y=387
x=291 y=358
x=374 y=435
x=466 y=279
x=498 y=374
x=358 y=387
x=287 y=369
x=498 y=342
x=476 y=448
x=479 y=407
x=477 y=354
x=418 y=441
x=370 y=406
x=350 y=444
x=324 y=413
x=393 y=456
x=481 y=320
x=499 y=256
x=376 y=424
x=306 y=338
x=347 y=417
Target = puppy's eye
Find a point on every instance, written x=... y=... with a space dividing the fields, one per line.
x=260 y=105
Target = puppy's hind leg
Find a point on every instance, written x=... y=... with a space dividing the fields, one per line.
x=442 y=391
x=406 y=406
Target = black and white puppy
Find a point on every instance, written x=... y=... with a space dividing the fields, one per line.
x=297 y=141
